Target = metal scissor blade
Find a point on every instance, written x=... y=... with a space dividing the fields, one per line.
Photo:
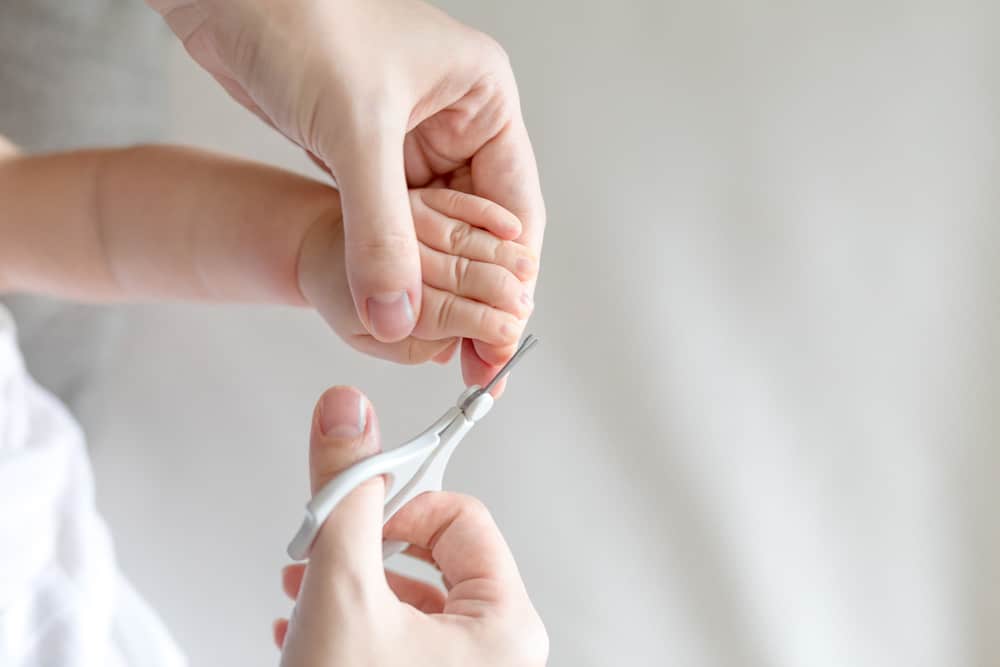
x=529 y=342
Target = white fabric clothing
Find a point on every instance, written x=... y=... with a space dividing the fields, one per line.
x=63 y=602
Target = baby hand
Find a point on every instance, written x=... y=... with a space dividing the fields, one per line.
x=474 y=278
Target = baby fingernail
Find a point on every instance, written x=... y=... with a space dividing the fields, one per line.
x=525 y=266
x=526 y=298
x=343 y=414
x=390 y=315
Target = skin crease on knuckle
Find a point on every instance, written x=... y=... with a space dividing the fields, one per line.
x=385 y=248
x=452 y=204
x=501 y=289
x=411 y=351
x=504 y=255
x=465 y=508
x=417 y=353
x=458 y=237
x=460 y=273
x=470 y=209
x=445 y=313
x=501 y=253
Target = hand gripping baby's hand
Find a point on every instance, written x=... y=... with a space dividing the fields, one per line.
x=474 y=279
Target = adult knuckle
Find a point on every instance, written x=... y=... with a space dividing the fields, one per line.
x=384 y=246
x=494 y=51
x=473 y=508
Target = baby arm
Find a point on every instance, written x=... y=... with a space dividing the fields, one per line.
x=164 y=223
x=154 y=223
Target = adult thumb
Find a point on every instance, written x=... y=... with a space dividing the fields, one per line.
x=344 y=431
x=383 y=258
x=345 y=562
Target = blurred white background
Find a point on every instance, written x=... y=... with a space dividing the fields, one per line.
x=762 y=426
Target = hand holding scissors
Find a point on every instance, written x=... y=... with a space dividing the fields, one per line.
x=410 y=469
x=350 y=610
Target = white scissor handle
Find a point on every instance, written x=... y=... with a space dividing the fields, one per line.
x=398 y=465
x=430 y=475
x=410 y=469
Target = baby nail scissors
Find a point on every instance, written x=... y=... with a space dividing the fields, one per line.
x=410 y=469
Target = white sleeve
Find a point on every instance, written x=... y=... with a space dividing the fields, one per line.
x=62 y=599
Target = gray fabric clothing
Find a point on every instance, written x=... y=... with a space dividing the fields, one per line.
x=81 y=73
x=73 y=74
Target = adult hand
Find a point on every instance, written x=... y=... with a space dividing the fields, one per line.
x=348 y=611
x=385 y=94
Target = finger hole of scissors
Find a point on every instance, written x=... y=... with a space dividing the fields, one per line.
x=389 y=480
x=423 y=554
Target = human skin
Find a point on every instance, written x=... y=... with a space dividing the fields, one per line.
x=386 y=95
x=349 y=611
x=155 y=223
x=166 y=223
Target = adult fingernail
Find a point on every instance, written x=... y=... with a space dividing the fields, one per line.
x=343 y=414
x=390 y=315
